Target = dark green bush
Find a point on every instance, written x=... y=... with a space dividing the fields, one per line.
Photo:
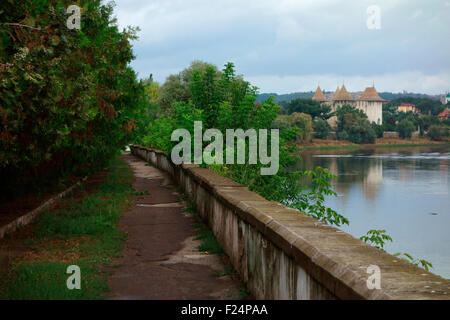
x=405 y=129
x=361 y=131
x=321 y=129
x=437 y=132
x=68 y=99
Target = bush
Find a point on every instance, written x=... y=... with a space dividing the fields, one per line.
x=321 y=129
x=378 y=130
x=361 y=131
x=304 y=123
x=437 y=132
x=405 y=129
x=68 y=99
x=281 y=122
x=342 y=135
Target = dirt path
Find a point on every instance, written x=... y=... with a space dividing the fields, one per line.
x=160 y=259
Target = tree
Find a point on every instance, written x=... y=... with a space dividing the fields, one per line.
x=361 y=131
x=346 y=115
x=437 y=132
x=321 y=129
x=309 y=106
x=378 y=129
x=68 y=99
x=304 y=123
x=352 y=124
x=405 y=129
x=177 y=87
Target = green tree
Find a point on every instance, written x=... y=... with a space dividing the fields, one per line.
x=405 y=129
x=309 y=106
x=68 y=99
x=361 y=131
x=321 y=129
x=304 y=123
x=438 y=132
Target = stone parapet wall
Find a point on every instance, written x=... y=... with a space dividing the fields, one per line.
x=283 y=254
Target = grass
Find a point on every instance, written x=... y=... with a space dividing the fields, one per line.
x=83 y=232
x=208 y=242
x=371 y=146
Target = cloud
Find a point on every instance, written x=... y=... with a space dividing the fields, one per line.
x=411 y=81
x=291 y=39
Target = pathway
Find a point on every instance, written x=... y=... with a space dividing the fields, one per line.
x=160 y=257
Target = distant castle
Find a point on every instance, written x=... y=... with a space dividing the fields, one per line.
x=369 y=102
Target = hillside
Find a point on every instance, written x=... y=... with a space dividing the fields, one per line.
x=385 y=95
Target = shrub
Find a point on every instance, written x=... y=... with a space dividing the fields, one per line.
x=405 y=129
x=321 y=129
x=378 y=130
x=68 y=99
x=281 y=122
x=361 y=131
x=437 y=132
x=342 y=135
x=304 y=123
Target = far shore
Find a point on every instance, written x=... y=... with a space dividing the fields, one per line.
x=319 y=144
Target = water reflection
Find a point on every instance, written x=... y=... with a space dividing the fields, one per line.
x=404 y=190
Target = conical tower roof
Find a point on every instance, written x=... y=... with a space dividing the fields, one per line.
x=342 y=95
x=370 y=94
x=336 y=93
x=318 y=95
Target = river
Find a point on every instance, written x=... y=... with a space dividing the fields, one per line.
x=402 y=190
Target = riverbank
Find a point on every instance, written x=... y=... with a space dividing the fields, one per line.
x=319 y=144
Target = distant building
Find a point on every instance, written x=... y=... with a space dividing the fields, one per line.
x=444 y=114
x=445 y=98
x=407 y=107
x=369 y=102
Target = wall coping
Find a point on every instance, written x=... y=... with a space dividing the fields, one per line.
x=337 y=260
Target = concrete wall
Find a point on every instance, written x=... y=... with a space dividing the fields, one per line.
x=394 y=134
x=283 y=254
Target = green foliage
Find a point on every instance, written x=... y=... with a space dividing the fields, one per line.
x=405 y=129
x=378 y=129
x=91 y=222
x=321 y=129
x=300 y=123
x=281 y=122
x=311 y=197
x=377 y=238
x=352 y=125
x=418 y=262
x=304 y=123
x=361 y=131
x=309 y=106
x=437 y=132
x=68 y=99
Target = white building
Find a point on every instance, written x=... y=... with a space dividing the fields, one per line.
x=369 y=102
x=445 y=98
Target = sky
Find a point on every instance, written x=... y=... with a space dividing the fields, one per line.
x=284 y=46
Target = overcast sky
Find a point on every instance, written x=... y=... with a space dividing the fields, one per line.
x=287 y=46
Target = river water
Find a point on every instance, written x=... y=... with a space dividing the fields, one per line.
x=402 y=190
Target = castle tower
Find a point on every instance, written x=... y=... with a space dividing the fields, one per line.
x=342 y=95
x=318 y=95
x=372 y=105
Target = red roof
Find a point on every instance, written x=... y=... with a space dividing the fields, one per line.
x=444 y=113
x=407 y=105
